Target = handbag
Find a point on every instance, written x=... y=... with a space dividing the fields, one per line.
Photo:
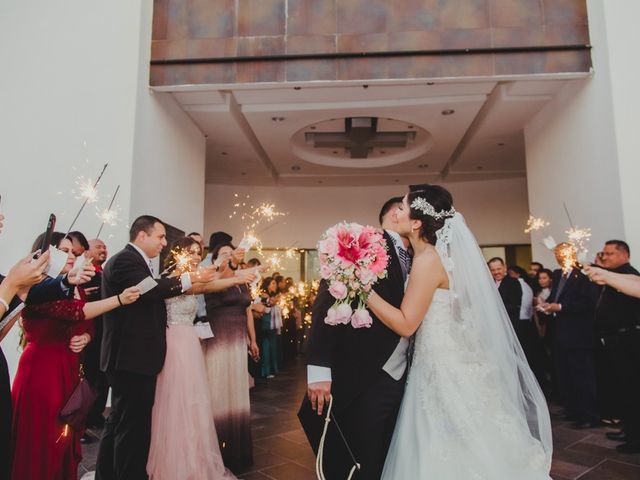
x=76 y=410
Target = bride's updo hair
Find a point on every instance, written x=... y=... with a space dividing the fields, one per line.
x=441 y=201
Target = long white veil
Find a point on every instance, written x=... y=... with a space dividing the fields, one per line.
x=483 y=321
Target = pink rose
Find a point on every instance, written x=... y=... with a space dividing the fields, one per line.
x=328 y=246
x=338 y=290
x=326 y=271
x=330 y=319
x=366 y=276
x=343 y=313
x=361 y=318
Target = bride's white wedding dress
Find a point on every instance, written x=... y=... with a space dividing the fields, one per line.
x=471 y=409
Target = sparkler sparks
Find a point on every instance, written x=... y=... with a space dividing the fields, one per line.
x=534 y=223
x=86 y=190
x=109 y=216
x=180 y=261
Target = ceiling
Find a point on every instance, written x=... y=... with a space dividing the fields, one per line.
x=467 y=130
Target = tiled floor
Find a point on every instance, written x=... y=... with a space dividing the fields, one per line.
x=282 y=453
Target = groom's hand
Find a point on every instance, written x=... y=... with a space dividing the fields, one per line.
x=319 y=393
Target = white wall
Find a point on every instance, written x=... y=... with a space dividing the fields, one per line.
x=496 y=210
x=169 y=151
x=73 y=94
x=622 y=37
x=572 y=152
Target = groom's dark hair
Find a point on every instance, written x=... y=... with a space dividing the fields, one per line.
x=387 y=206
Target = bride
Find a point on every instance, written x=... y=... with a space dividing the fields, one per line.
x=472 y=408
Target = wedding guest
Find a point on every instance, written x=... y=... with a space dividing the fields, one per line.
x=214 y=239
x=97 y=379
x=618 y=328
x=509 y=288
x=628 y=284
x=268 y=327
x=231 y=321
x=55 y=333
x=572 y=304
x=133 y=349
x=20 y=278
x=79 y=242
x=534 y=269
x=184 y=442
x=544 y=329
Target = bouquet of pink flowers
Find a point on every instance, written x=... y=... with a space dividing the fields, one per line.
x=352 y=258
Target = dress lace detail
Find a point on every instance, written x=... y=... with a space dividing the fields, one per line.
x=181 y=310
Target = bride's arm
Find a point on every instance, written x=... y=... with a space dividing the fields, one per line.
x=427 y=274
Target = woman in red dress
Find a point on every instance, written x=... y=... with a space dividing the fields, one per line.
x=48 y=371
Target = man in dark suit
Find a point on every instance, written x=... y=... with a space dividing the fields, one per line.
x=618 y=329
x=572 y=303
x=133 y=350
x=364 y=369
x=509 y=288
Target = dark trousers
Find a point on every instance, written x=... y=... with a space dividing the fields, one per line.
x=124 y=446
x=624 y=351
x=5 y=419
x=576 y=376
x=96 y=378
x=367 y=425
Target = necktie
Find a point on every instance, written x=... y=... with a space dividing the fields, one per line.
x=151 y=268
x=405 y=260
x=561 y=284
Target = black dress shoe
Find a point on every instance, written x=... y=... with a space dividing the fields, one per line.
x=585 y=425
x=617 y=436
x=629 y=447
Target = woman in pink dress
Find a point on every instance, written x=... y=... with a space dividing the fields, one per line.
x=184 y=443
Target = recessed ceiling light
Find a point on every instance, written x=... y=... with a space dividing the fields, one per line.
x=448 y=111
x=277 y=119
x=423 y=165
x=295 y=168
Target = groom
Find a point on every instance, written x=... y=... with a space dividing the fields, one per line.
x=364 y=369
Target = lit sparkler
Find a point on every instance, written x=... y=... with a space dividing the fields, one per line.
x=87 y=192
x=180 y=261
x=109 y=215
x=534 y=223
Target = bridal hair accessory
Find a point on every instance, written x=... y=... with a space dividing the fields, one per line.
x=320 y=457
x=425 y=207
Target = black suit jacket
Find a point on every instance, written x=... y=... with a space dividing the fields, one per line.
x=355 y=355
x=511 y=294
x=134 y=336
x=574 y=324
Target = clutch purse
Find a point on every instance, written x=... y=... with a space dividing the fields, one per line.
x=75 y=412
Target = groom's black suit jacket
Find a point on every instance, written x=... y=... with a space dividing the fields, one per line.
x=355 y=355
x=134 y=336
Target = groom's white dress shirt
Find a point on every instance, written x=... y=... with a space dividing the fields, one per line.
x=397 y=362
